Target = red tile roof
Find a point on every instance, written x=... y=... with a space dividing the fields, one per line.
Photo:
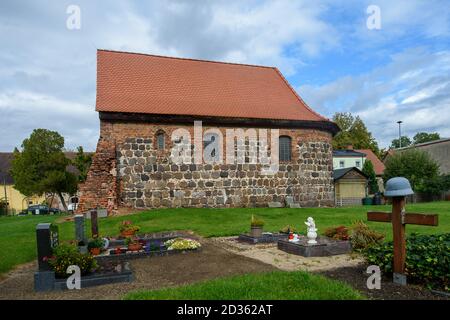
x=141 y=83
x=378 y=165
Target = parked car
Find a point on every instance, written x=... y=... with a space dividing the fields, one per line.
x=38 y=209
x=24 y=212
x=54 y=211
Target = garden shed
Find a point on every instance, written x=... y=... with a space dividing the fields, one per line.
x=350 y=186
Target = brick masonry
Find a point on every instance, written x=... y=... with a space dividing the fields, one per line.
x=129 y=170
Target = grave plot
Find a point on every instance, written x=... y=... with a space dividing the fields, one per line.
x=148 y=245
x=256 y=234
x=130 y=245
x=100 y=260
x=58 y=261
x=324 y=247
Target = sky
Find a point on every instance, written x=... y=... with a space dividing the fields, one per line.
x=328 y=50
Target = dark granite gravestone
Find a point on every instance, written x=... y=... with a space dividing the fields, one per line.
x=79 y=228
x=46 y=240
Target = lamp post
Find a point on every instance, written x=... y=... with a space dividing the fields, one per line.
x=400 y=133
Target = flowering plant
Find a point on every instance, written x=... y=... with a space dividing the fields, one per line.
x=128 y=226
x=182 y=244
x=131 y=240
x=65 y=255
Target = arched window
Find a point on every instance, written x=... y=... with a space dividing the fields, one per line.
x=160 y=141
x=284 y=148
x=212 y=138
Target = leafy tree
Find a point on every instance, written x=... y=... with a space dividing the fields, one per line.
x=422 y=137
x=354 y=132
x=41 y=166
x=82 y=162
x=415 y=165
x=370 y=172
x=436 y=185
x=405 y=142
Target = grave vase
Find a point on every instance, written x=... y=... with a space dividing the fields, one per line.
x=256 y=231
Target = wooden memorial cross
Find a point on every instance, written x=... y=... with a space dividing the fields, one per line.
x=94 y=223
x=399 y=219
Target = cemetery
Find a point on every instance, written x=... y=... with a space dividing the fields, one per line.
x=133 y=256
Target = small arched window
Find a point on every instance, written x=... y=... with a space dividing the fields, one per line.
x=285 y=148
x=160 y=141
x=208 y=139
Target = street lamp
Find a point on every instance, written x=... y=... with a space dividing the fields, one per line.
x=400 y=133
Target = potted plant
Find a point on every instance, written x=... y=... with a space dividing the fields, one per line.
x=133 y=244
x=95 y=246
x=127 y=228
x=256 y=227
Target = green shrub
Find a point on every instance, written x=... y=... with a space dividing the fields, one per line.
x=65 y=255
x=362 y=237
x=427 y=259
x=337 y=233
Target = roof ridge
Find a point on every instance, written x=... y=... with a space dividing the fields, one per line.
x=298 y=96
x=187 y=59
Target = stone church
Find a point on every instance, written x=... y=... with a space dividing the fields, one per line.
x=144 y=100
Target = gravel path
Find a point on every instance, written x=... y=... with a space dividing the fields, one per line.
x=268 y=253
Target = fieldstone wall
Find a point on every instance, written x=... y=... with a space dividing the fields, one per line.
x=147 y=178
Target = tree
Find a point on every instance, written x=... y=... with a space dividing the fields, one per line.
x=415 y=165
x=405 y=142
x=354 y=132
x=369 y=171
x=422 y=137
x=41 y=166
x=82 y=162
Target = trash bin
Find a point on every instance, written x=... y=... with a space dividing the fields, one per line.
x=376 y=199
x=367 y=201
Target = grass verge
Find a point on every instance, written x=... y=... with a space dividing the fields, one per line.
x=277 y=285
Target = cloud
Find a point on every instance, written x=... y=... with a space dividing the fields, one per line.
x=47 y=72
x=24 y=111
x=413 y=87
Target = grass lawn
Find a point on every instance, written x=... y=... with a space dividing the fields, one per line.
x=277 y=285
x=17 y=234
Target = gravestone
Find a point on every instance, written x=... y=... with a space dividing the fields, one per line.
x=46 y=239
x=94 y=224
x=79 y=228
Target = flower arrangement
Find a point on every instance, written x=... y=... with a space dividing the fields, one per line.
x=255 y=222
x=288 y=229
x=182 y=244
x=96 y=243
x=133 y=243
x=128 y=228
x=65 y=255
